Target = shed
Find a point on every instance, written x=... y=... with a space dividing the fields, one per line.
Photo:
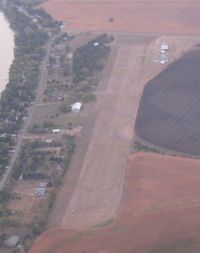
x=12 y=241
x=96 y=44
x=70 y=56
x=164 y=46
x=48 y=141
x=76 y=107
x=43 y=184
x=40 y=191
x=56 y=131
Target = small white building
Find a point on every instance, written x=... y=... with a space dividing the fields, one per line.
x=48 y=141
x=164 y=46
x=96 y=44
x=70 y=56
x=40 y=191
x=76 y=107
x=56 y=131
x=43 y=185
x=162 y=61
x=12 y=241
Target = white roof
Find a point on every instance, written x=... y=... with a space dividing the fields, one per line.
x=40 y=190
x=164 y=46
x=76 y=106
x=11 y=241
x=70 y=55
x=56 y=130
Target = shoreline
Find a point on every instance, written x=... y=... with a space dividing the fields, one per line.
x=23 y=78
x=8 y=36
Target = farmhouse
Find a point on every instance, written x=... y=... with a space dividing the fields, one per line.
x=76 y=107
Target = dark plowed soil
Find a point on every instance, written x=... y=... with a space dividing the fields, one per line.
x=169 y=112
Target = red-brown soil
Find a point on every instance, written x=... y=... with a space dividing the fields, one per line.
x=179 y=17
x=160 y=213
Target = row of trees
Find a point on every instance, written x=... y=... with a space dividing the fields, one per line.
x=24 y=71
x=87 y=58
x=35 y=163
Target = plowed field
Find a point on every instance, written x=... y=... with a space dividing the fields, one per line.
x=160 y=213
x=179 y=17
x=169 y=112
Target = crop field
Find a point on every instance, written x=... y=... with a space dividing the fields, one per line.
x=174 y=17
x=169 y=112
x=159 y=214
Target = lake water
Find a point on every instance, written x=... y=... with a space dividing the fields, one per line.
x=6 y=50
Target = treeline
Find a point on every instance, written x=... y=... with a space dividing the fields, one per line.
x=34 y=163
x=31 y=3
x=24 y=71
x=87 y=58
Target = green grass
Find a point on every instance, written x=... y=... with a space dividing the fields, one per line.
x=179 y=246
x=104 y=224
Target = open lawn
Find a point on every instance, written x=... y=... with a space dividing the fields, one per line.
x=174 y=17
x=27 y=203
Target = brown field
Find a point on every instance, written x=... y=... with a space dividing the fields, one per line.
x=160 y=213
x=173 y=17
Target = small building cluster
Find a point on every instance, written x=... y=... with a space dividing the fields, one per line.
x=163 y=57
x=41 y=190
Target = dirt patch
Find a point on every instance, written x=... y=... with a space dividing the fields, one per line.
x=159 y=213
x=25 y=204
x=174 y=17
